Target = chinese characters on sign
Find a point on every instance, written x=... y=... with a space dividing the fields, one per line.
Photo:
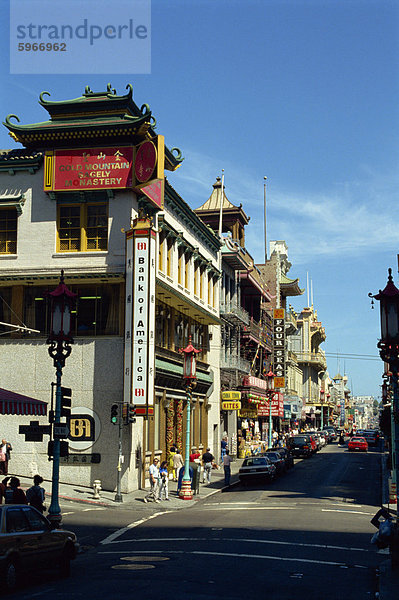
x=88 y=169
x=279 y=347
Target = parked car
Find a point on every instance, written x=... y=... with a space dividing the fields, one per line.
x=27 y=542
x=286 y=454
x=358 y=443
x=256 y=468
x=302 y=445
x=332 y=431
x=371 y=437
x=277 y=460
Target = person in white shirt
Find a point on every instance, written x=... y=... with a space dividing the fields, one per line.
x=154 y=482
x=227 y=460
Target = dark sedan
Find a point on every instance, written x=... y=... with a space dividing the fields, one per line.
x=277 y=460
x=28 y=543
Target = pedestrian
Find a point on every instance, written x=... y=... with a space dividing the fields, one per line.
x=227 y=469
x=163 y=479
x=171 y=470
x=154 y=482
x=195 y=456
x=2 y=492
x=36 y=494
x=13 y=493
x=207 y=460
x=5 y=450
x=177 y=464
x=223 y=446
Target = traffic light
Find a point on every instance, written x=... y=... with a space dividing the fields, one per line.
x=64 y=449
x=66 y=401
x=131 y=413
x=114 y=414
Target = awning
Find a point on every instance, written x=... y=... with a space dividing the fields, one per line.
x=17 y=404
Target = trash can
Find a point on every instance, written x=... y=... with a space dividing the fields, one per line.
x=195 y=481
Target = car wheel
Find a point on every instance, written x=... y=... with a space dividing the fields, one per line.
x=11 y=575
x=64 y=567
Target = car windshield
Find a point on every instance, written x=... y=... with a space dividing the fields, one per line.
x=254 y=461
x=358 y=439
x=274 y=455
x=298 y=439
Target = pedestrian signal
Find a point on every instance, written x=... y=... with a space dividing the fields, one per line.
x=114 y=414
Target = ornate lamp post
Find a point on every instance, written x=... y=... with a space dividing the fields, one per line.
x=60 y=340
x=189 y=377
x=270 y=390
x=389 y=352
x=322 y=392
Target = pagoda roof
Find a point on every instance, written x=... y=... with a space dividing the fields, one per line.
x=94 y=117
x=19 y=159
x=212 y=205
x=290 y=287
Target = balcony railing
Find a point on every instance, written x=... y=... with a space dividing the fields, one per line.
x=234 y=311
x=313 y=358
x=232 y=361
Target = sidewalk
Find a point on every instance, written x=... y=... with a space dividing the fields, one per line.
x=76 y=493
x=389 y=579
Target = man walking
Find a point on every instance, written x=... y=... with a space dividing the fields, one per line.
x=154 y=482
x=207 y=460
x=227 y=468
x=5 y=450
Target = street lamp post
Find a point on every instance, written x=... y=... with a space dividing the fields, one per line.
x=389 y=352
x=270 y=390
x=60 y=340
x=189 y=377
x=322 y=409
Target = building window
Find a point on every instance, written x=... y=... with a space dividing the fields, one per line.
x=169 y=256
x=180 y=266
x=82 y=227
x=8 y=231
x=96 y=311
x=5 y=309
x=186 y=269
x=201 y=278
x=161 y=250
x=196 y=277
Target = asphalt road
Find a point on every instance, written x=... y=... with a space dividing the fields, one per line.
x=304 y=536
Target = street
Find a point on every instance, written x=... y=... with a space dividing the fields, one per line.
x=306 y=535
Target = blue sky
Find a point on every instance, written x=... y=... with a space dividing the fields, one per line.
x=304 y=92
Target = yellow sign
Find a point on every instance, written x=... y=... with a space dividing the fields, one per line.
x=231 y=405
x=249 y=413
x=278 y=313
x=279 y=382
x=230 y=395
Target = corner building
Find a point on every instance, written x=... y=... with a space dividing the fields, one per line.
x=87 y=193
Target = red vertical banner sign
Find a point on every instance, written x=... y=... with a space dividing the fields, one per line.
x=279 y=347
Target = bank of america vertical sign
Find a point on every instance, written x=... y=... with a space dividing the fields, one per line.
x=142 y=299
x=279 y=347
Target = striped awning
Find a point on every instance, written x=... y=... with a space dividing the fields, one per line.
x=12 y=403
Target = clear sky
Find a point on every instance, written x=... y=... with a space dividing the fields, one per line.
x=302 y=91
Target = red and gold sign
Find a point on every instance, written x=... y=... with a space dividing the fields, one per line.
x=149 y=164
x=145 y=162
x=88 y=169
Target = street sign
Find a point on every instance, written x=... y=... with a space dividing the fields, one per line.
x=230 y=395
x=231 y=405
x=34 y=432
x=61 y=431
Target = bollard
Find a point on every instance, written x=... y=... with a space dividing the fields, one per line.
x=96 y=488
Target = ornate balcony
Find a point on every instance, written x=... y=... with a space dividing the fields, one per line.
x=233 y=312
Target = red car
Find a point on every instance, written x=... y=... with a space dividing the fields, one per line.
x=358 y=443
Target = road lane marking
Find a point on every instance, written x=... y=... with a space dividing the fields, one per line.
x=247 y=540
x=123 y=530
x=259 y=507
x=251 y=556
x=350 y=512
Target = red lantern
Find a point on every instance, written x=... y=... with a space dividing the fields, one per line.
x=190 y=361
x=270 y=381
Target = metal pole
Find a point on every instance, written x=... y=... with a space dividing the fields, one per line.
x=54 y=510
x=118 y=495
x=395 y=432
x=322 y=415
x=264 y=215
x=186 y=492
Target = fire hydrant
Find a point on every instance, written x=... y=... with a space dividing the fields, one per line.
x=96 y=488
